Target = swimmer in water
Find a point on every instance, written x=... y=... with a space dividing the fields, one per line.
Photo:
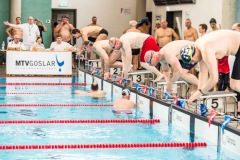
x=95 y=93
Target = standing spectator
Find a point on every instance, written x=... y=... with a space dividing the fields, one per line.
x=165 y=34
x=213 y=24
x=157 y=26
x=135 y=49
x=144 y=25
x=13 y=31
x=94 y=22
x=190 y=34
x=93 y=38
x=65 y=29
x=41 y=27
x=202 y=29
x=30 y=32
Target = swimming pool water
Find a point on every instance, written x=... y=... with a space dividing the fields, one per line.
x=26 y=134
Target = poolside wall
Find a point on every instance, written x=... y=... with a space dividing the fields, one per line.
x=194 y=124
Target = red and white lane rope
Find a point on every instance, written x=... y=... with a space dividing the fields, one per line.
x=35 y=76
x=97 y=146
x=33 y=93
x=53 y=105
x=42 y=84
x=79 y=121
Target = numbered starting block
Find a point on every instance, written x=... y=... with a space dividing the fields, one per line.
x=96 y=63
x=142 y=76
x=115 y=70
x=218 y=101
x=177 y=88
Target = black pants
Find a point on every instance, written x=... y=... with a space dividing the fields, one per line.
x=223 y=81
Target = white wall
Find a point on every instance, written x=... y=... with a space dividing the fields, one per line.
x=201 y=12
x=108 y=13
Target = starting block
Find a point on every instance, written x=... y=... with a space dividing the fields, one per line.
x=95 y=63
x=177 y=88
x=218 y=100
x=115 y=70
x=141 y=76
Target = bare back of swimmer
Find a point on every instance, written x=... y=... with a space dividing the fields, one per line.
x=211 y=47
x=108 y=56
x=170 y=54
x=135 y=39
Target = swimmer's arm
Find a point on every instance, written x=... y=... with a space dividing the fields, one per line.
x=177 y=72
x=176 y=67
x=81 y=92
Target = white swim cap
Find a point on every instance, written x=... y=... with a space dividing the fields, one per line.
x=133 y=23
x=126 y=92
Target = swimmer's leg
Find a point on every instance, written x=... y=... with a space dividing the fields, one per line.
x=154 y=70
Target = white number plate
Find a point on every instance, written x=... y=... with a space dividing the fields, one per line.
x=215 y=103
x=138 y=78
x=115 y=70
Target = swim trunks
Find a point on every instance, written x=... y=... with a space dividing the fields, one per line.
x=135 y=51
x=236 y=66
x=149 y=44
x=103 y=31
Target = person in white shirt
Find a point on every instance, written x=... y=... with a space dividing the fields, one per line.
x=30 y=32
x=15 y=44
x=38 y=46
x=59 y=45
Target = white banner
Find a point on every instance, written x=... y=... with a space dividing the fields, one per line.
x=39 y=63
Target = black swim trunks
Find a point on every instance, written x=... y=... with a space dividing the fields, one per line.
x=103 y=31
x=135 y=51
x=92 y=39
x=236 y=66
x=187 y=66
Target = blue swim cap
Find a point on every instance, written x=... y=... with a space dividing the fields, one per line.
x=187 y=52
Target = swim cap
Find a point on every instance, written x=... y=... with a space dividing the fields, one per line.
x=133 y=23
x=126 y=92
x=187 y=52
x=212 y=20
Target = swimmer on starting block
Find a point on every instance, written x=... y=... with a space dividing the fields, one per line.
x=124 y=104
x=93 y=93
x=108 y=56
x=208 y=49
x=89 y=31
x=139 y=40
x=170 y=54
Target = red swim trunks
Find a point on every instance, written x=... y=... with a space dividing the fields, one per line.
x=149 y=44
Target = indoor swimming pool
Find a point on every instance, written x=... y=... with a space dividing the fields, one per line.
x=51 y=101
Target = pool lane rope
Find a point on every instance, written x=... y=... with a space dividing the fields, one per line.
x=151 y=121
x=54 y=105
x=33 y=93
x=105 y=146
x=43 y=83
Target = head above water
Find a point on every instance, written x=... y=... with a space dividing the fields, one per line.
x=126 y=92
x=187 y=52
x=94 y=86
